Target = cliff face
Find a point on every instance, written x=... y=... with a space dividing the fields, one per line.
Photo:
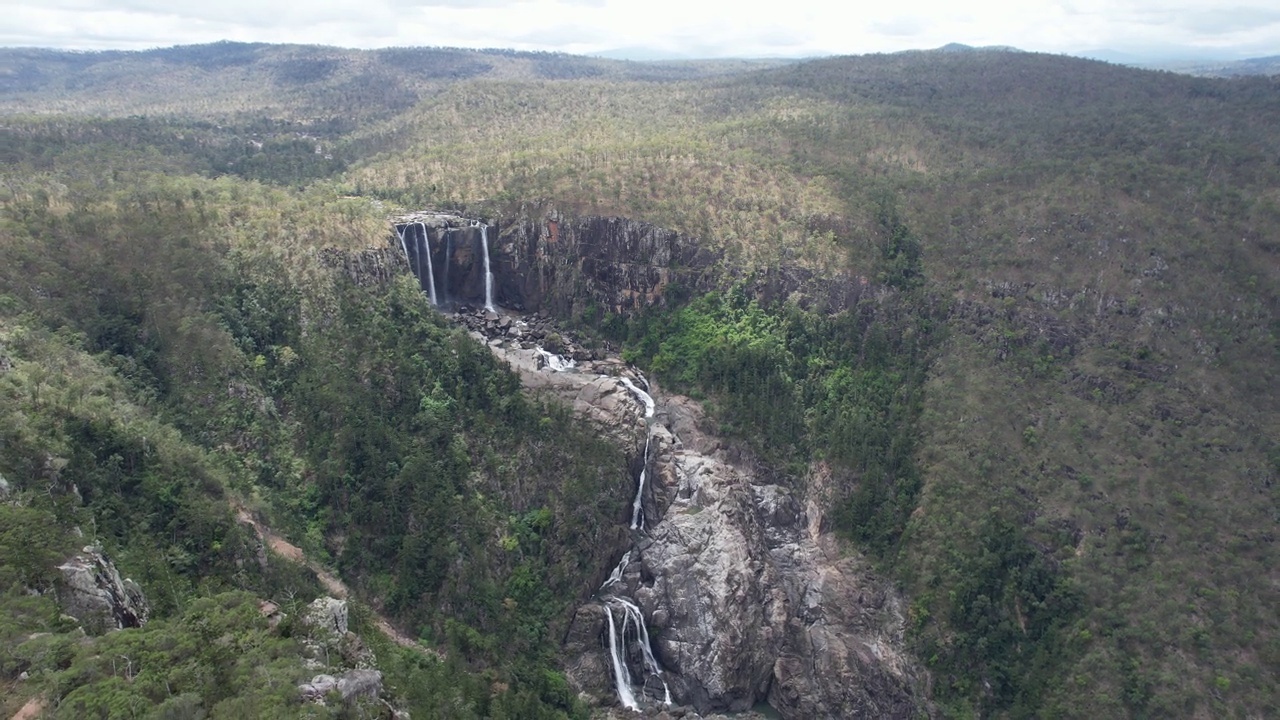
x=561 y=264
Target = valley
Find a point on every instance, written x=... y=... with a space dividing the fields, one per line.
x=906 y=385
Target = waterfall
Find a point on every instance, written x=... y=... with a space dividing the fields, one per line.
x=400 y=233
x=431 y=275
x=641 y=395
x=637 y=518
x=615 y=577
x=556 y=362
x=488 y=275
x=631 y=614
x=621 y=677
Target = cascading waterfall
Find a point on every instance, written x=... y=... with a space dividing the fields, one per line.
x=644 y=397
x=631 y=614
x=637 y=521
x=556 y=363
x=488 y=275
x=616 y=576
x=425 y=250
x=621 y=676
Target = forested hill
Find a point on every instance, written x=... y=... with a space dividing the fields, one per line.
x=295 y=82
x=1047 y=411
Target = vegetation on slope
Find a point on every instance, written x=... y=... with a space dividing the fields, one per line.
x=181 y=340
x=1051 y=414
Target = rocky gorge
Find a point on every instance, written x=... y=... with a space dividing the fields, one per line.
x=746 y=598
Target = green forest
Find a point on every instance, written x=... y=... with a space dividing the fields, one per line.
x=1050 y=413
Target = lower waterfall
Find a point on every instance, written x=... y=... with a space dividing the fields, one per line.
x=631 y=615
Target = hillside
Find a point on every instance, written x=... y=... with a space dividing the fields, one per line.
x=1015 y=313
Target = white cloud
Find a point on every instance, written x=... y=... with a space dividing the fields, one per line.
x=690 y=27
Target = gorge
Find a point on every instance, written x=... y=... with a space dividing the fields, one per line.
x=732 y=592
x=961 y=367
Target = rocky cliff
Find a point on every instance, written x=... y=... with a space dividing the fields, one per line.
x=746 y=596
x=545 y=260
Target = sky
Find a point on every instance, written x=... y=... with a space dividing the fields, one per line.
x=1227 y=29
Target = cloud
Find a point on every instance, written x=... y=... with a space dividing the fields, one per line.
x=1219 y=21
x=903 y=26
x=704 y=27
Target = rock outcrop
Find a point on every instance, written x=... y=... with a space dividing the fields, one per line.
x=91 y=591
x=351 y=685
x=329 y=641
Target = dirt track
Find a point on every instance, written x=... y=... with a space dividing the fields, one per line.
x=332 y=584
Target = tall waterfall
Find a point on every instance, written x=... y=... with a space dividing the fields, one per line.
x=425 y=249
x=631 y=616
x=488 y=275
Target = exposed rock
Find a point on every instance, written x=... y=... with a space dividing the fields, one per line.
x=319 y=686
x=91 y=591
x=326 y=617
x=747 y=596
x=544 y=260
x=353 y=684
x=329 y=638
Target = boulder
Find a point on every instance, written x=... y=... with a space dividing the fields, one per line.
x=91 y=591
x=351 y=685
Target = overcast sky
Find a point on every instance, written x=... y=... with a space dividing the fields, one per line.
x=693 y=28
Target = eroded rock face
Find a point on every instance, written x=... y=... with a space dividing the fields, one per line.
x=747 y=598
x=756 y=603
x=91 y=591
x=548 y=261
x=545 y=260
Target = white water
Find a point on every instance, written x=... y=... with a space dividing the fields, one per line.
x=631 y=611
x=488 y=275
x=617 y=648
x=637 y=519
x=621 y=677
x=641 y=395
x=431 y=275
x=557 y=363
x=404 y=247
x=616 y=576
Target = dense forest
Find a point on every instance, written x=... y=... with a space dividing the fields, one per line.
x=1049 y=413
